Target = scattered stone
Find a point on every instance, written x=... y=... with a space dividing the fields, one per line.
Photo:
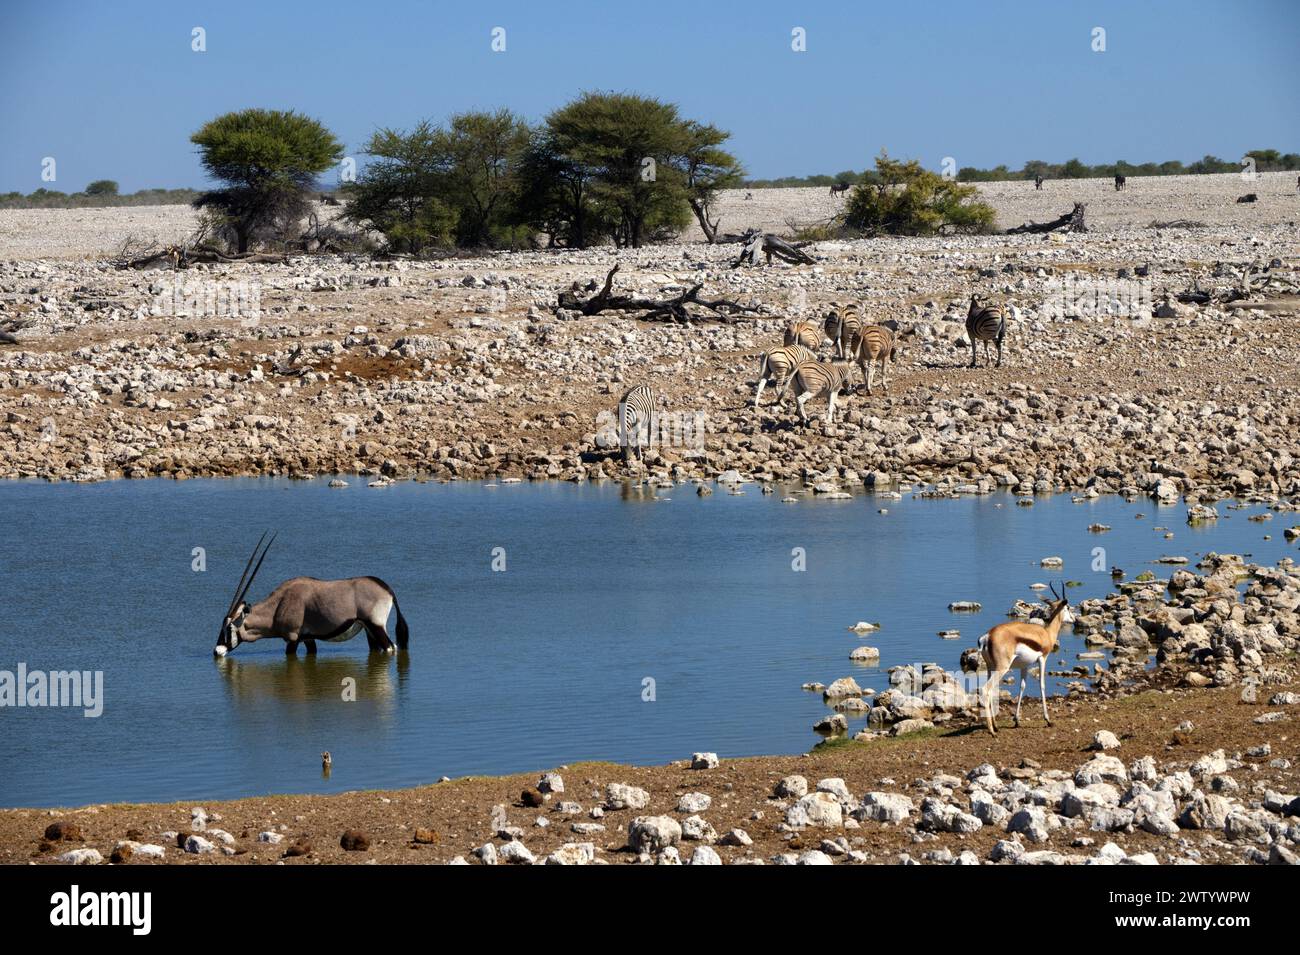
x=355 y=840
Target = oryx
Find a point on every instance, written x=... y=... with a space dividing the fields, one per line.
x=306 y=609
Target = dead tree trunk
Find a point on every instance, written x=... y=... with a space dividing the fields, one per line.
x=770 y=245
x=669 y=309
x=707 y=226
x=1072 y=221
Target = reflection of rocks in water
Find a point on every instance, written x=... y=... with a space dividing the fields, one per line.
x=315 y=678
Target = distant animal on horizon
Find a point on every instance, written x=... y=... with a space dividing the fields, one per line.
x=807 y=334
x=777 y=365
x=1020 y=646
x=839 y=188
x=1121 y=182
x=985 y=323
x=1038 y=182
x=875 y=345
x=749 y=196
x=305 y=610
x=1248 y=197
x=815 y=379
x=636 y=414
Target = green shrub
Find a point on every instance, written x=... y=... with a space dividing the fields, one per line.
x=906 y=199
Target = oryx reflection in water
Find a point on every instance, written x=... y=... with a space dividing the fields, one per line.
x=261 y=679
x=306 y=609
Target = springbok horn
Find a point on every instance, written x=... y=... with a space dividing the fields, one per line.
x=253 y=575
x=244 y=576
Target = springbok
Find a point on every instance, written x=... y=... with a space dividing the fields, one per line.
x=306 y=609
x=1019 y=646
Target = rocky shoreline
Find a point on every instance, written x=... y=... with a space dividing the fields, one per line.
x=1190 y=761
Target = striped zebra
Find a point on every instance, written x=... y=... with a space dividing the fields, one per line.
x=842 y=325
x=875 y=345
x=985 y=323
x=806 y=334
x=813 y=379
x=636 y=413
x=777 y=365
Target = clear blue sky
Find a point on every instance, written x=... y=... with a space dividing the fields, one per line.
x=113 y=90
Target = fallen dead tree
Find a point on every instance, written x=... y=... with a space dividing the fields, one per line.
x=770 y=245
x=675 y=309
x=1256 y=279
x=1072 y=221
x=180 y=257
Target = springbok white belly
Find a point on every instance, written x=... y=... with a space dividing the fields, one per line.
x=1025 y=658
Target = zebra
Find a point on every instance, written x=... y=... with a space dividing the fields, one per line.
x=842 y=325
x=985 y=323
x=1038 y=182
x=1121 y=182
x=812 y=379
x=806 y=334
x=875 y=344
x=778 y=364
x=636 y=412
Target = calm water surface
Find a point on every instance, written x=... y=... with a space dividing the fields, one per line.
x=539 y=665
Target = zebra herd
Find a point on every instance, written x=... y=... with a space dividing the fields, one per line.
x=796 y=362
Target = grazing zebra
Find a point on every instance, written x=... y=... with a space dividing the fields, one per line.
x=806 y=334
x=778 y=364
x=875 y=344
x=1038 y=182
x=985 y=323
x=812 y=379
x=842 y=326
x=636 y=412
x=1121 y=182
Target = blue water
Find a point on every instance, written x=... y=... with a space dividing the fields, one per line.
x=525 y=669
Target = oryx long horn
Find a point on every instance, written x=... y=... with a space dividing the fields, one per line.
x=244 y=576
x=245 y=581
x=253 y=575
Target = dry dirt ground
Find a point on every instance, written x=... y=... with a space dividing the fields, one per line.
x=464 y=368
x=434 y=824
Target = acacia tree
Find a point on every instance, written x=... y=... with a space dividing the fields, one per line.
x=439 y=186
x=626 y=167
x=269 y=161
x=481 y=155
x=706 y=169
x=398 y=192
x=555 y=194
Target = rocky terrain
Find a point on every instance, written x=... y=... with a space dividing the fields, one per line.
x=466 y=368
x=1191 y=761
